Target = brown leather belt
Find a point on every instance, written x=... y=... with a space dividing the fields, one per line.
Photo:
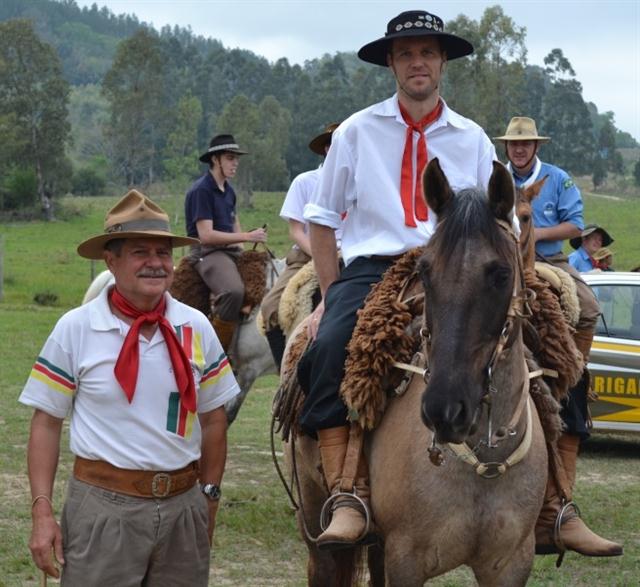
x=138 y=483
x=385 y=257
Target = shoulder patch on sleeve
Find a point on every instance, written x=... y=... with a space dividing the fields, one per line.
x=567 y=183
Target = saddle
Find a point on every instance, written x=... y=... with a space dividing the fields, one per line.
x=297 y=300
x=189 y=288
x=387 y=331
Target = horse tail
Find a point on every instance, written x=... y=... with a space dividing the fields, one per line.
x=350 y=564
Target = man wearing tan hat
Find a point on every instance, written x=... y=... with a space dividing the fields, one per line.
x=211 y=217
x=558 y=215
x=144 y=380
x=292 y=211
x=374 y=171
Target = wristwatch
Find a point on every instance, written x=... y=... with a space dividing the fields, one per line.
x=211 y=491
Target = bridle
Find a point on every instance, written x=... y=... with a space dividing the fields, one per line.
x=519 y=308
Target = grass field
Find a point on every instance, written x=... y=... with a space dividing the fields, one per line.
x=256 y=543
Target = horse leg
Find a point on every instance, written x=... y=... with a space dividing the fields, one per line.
x=402 y=565
x=513 y=573
x=375 y=562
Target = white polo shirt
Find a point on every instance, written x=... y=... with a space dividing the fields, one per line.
x=362 y=174
x=74 y=375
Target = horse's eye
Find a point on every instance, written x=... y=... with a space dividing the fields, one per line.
x=498 y=276
x=525 y=218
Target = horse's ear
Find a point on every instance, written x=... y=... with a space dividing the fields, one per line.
x=502 y=192
x=534 y=189
x=435 y=187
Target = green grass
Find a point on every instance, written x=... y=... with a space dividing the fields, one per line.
x=256 y=542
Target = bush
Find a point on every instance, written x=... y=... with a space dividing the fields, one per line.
x=88 y=182
x=19 y=189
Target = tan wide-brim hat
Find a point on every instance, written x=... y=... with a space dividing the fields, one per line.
x=318 y=144
x=576 y=241
x=134 y=216
x=522 y=128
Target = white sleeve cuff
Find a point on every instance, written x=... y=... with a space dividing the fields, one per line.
x=318 y=215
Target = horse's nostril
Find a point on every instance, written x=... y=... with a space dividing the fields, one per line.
x=455 y=413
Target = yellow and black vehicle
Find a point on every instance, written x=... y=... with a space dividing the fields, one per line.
x=615 y=354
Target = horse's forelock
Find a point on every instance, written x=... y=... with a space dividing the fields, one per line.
x=467 y=216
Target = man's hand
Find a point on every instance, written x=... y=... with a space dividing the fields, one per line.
x=314 y=320
x=213 y=510
x=46 y=539
x=259 y=235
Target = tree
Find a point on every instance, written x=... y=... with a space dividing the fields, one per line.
x=565 y=118
x=181 y=151
x=134 y=89
x=35 y=95
x=607 y=144
x=636 y=173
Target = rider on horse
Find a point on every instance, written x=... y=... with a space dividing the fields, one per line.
x=210 y=212
x=292 y=211
x=373 y=170
x=558 y=215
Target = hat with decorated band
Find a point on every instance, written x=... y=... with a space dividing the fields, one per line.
x=414 y=23
x=134 y=216
x=318 y=143
x=221 y=144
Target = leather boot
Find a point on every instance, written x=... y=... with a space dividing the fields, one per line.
x=348 y=521
x=225 y=331
x=573 y=533
x=277 y=343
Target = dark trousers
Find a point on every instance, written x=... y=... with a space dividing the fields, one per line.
x=321 y=368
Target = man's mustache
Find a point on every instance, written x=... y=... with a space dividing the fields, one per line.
x=147 y=273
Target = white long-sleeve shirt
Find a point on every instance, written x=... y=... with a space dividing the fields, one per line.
x=362 y=174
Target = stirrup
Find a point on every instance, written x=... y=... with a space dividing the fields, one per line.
x=329 y=506
x=562 y=549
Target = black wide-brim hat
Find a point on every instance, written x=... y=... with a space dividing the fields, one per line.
x=319 y=142
x=576 y=242
x=414 y=23
x=221 y=144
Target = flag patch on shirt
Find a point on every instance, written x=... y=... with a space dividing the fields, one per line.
x=53 y=377
x=191 y=343
x=179 y=419
x=567 y=183
x=215 y=371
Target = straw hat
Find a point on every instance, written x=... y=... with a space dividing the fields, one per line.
x=319 y=142
x=414 y=23
x=134 y=216
x=576 y=242
x=522 y=128
x=602 y=253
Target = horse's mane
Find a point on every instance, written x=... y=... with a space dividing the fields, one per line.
x=466 y=216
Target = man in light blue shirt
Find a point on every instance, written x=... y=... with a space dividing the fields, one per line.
x=592 y=238
x=557 y=215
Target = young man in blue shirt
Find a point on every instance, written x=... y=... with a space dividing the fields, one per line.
x=558 y=215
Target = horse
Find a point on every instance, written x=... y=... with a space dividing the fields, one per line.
x=458 y=464
x=524 y=212
x=249 y=352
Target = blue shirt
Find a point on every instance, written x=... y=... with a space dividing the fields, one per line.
x=205 y=201
x=559 y=201
x=580 y=260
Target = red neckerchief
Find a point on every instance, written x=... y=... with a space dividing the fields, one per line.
x=126 y=369
x=596 y=264
x=406 y=175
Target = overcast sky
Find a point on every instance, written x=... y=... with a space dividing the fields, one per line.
x=600 y=39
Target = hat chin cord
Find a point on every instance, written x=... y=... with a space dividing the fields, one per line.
x=528 y=163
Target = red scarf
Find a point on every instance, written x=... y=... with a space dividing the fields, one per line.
x=596 y=264
x=126 y=369
x=406 y=175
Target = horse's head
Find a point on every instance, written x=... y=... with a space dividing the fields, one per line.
x=468 y=271
x=524 y=212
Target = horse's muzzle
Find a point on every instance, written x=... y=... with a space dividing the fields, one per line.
x=449 y=419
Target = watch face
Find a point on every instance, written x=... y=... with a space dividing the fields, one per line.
x=211 y=491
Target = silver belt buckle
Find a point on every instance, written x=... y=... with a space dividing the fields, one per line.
x=161 y=485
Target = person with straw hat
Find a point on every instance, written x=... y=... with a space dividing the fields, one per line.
x=590 y=241
x=374 y=170
x=211 y=217
x=604 y=259
x=144 y=381
x=557 y=216
x=292 y=211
